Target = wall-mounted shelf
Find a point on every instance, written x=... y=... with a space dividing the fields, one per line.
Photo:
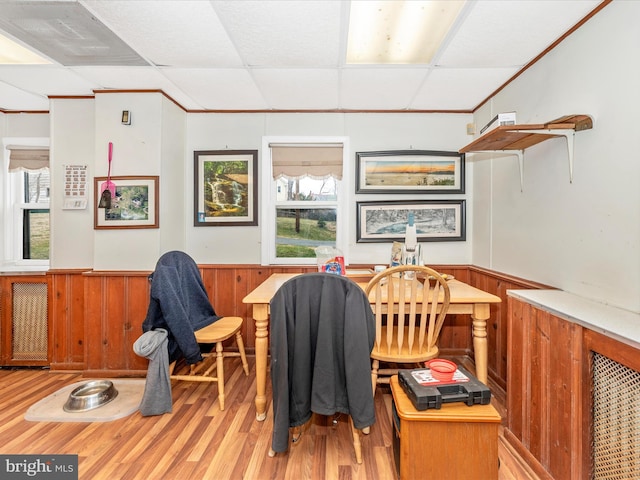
x=514 y=139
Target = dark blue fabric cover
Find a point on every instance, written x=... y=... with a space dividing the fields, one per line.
x=179 y=304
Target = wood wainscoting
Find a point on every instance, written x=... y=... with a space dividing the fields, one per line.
x=551 y=419
x=96 y=316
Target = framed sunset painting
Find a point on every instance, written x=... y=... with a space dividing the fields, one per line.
x=410 y=171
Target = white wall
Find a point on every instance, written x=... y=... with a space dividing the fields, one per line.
x=153 y=144
x=174 y=200
x=220 y=132
x=72 y=143
x=582 y=237
x=366 y=132
x=143 y=148
x=161 y=141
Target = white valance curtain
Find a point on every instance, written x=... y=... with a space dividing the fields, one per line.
x=28 y=158
x=314 y=160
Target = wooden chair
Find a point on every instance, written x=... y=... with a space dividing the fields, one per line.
x=211 y=369
x=410 y=305
x=180 y=304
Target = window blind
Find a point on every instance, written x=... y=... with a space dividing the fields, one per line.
x=317 y=160
x=28 y=158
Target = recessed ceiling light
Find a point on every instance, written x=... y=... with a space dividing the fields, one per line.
x=398 y=31
x=12 y=53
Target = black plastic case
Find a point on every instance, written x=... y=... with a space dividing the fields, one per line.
x=471 y=392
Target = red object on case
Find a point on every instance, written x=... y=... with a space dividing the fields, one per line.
x=441 y=369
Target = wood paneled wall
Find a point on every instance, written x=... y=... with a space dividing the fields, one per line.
x=96 y=316
x=498 y=284
x=549 y=384
x=66 y=319
x=115 y=306
x=544 y=413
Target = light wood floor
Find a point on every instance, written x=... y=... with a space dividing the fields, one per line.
x=198 y=441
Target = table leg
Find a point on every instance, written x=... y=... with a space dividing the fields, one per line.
x=479 y=317
x=261 y=317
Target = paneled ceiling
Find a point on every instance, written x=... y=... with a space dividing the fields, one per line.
x=266 y=54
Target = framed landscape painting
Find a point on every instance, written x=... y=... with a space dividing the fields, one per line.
x=410 y=171
x=135 y=204
x=435 y=220
x=225 y=188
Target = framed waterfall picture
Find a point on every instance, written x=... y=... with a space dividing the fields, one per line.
x=410 y=171
x=225 y=188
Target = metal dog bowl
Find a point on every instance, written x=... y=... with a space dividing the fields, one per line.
x=90 y=395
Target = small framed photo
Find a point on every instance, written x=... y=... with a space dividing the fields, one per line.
x=135 y=204
x=225 y=188
x=435 y=220
x=410 y=171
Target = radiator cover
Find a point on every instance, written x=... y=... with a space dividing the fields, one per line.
x=616 y=420
x=29 y=322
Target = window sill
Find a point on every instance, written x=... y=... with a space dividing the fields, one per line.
x=10 y=269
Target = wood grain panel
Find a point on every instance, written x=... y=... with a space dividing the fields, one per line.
x=455 y=336
x=113 y=355
x=98 y=314
x=498 y=284
x=134 y=314
x=115 y=306
x=546 y=414
x=93 y=322
x=615 y=350
x=66 y=317
x=516 y=372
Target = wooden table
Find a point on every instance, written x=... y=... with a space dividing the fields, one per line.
x=465 y=299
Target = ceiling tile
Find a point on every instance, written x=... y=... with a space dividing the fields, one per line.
x=181 y=33
x=298 y=88
x=459 y=88
x=270 y=54
x=217 y=89
x=511 y=33
x=379 y=88
x=59 y=80
x=284 y=33
x=17 y=99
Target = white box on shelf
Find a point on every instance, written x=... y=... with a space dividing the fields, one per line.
x=508 y=118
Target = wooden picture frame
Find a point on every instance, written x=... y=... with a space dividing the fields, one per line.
x=410 y=171
x=225 y=188
x=136 y=203
x=435 y=220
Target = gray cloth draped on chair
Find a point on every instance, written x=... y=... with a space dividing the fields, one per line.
x=156 y=398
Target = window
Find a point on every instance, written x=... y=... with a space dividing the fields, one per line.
x=304 y=204
x=27 y=185
x=35 y=214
